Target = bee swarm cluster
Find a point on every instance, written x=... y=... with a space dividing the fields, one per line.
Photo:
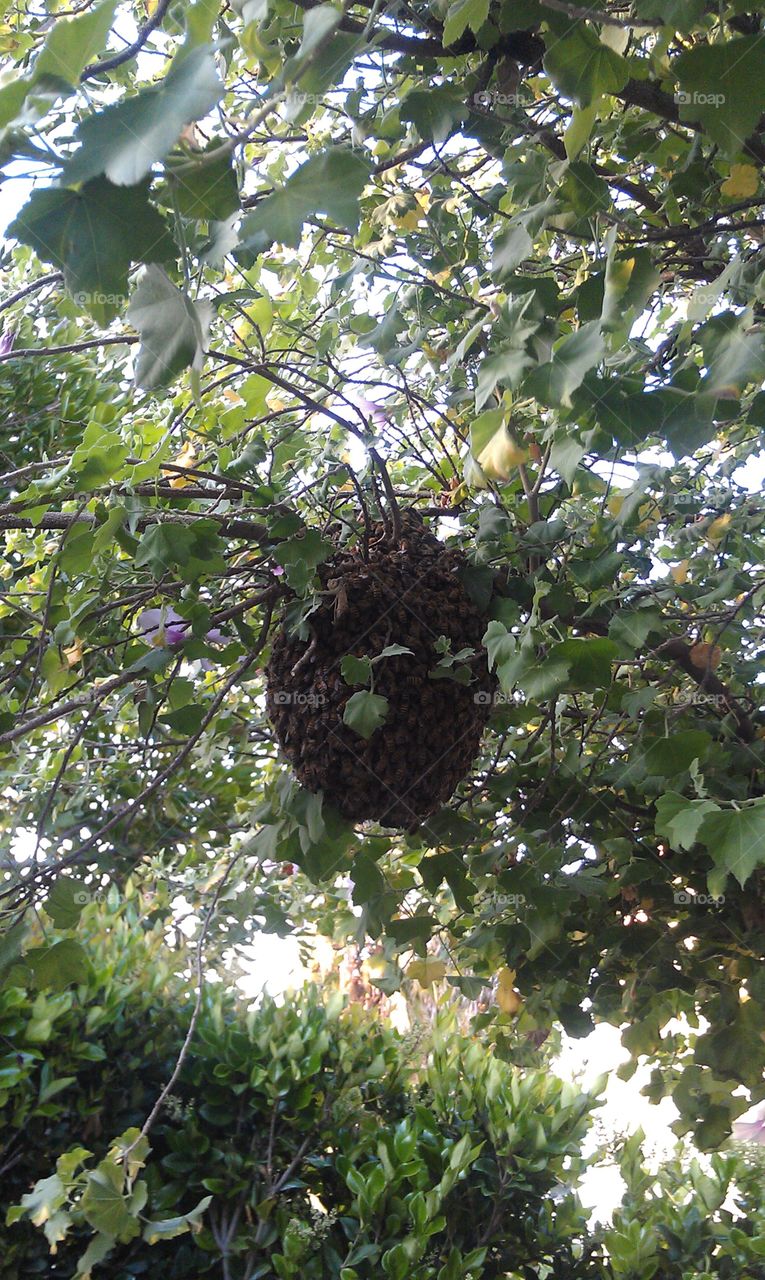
x=407 y=593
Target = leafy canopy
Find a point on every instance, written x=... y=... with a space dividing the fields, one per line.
x=498 y=261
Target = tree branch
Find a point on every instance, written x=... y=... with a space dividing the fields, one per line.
x=108 y=64
x=248 y=529
x=680 y=652
x=54 y=278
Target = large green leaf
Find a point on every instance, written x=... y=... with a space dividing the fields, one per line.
x=329 y=183
x=126 y=139
x=589 y=661
x=584 y=68
x=103 y=1204
x=365 y=712
x=66 y=900
x=434 y=112
x=73 y=42
x=55 y=967
x=676 y=752
x=735 y=839
x=204 y=190
x=93 y=235
x=722 y=86
x=554 y=383
x=173 y=329
x=69 y=47
x=734 y=352
x=189 y=549
x=679 y=819
x=463 y=14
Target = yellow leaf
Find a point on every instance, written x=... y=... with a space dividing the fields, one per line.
x=743 y=181
x=718 y=527
x=493 y=447
x=73 y=653
x=426 y=971
x=706 y=657
x=186 y=458
x=615 y=503
x=508 y=999
x=679 y=573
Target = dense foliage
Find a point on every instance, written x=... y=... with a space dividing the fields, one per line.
x=312 y=1140
x=317 y=1141
x=290 y=268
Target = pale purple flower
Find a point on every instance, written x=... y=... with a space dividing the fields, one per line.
x=6 y=343
x=377 y=412
x=165 y=628
x=751 y=1130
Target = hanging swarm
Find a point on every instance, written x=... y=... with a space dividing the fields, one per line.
x=407 y=594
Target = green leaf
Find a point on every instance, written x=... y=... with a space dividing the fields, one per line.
x=589 y=662
x=73 y=42
x=93 y=235
x=679 y=819
x=173 y=329
x=206 y=190
x=329 y=183
x=365 y=712
x=565 y=456
x=553 y=383
x=99 y=1248
x=191 y=549
x=630 y=628
x=723 y=88
x=126 y=139
x=462 y=14
x=104 y=1206
x=46 y=1196
x=676 y=753
x=579 y=131
x=318 y=23
x=434 y=112
x=310 y=547
x=508 y=365
x=65 y=901
x=356 y=670
x=169 y=1228
x=583 y=68
x=393 y=651
x=98 y=458
x=735 y=839
x=734 y=352
x=56 y=967
x=630 y=280
x=185 y=720
x=11 y=944
x=54 y=1087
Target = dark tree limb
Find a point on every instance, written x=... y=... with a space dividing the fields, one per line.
x=109 y=64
